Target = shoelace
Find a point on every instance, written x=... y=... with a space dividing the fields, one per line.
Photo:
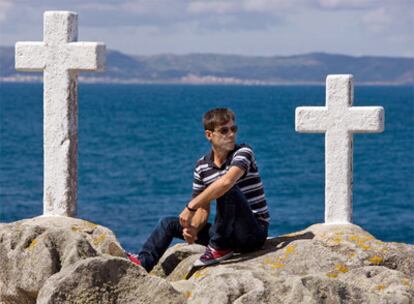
x=208 y=254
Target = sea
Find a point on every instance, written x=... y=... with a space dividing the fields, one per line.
x=138 y=145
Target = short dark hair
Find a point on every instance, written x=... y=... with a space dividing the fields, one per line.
x=217 y=117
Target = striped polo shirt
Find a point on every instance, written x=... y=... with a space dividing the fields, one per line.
x=206 y=172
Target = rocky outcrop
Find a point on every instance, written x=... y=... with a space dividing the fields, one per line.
x=172 y=258
x=66 y=260
x=56 y=259
x=106 y=280
x=322 y=264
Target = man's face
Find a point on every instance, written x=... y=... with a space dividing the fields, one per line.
x=223 y=137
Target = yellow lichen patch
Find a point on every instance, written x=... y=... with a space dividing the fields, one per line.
x=187 y=294
x=200 y=274
x=274 y=263
x=98 y=240
x=74 y=228
x=380 y=287
x=332 y=275
x=32 y=244
x=360 y=238
x=342 y=268
x=267 y=261
x=351 y=255
x=290 y=249
x=360 y=241
x=90 y=225
x=365 y=247
x=376 y=260
x=337 y=239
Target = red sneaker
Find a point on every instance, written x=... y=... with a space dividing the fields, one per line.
x=133 y=258
x=213 y=256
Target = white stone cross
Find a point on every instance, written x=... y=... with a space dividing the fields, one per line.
x=339 y=120
x=60 y=57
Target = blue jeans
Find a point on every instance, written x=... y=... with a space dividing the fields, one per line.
x=235 y=227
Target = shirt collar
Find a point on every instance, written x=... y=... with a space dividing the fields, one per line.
x=210 y=157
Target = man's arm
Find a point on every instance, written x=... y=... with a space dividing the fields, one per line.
x=212 y=192
x=217 y=189
x=200 y=218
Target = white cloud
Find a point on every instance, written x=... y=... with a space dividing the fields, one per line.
x=219 y=7
x=390 y=19
x=377 y=20
x=97 y=6
x=260 y=26
x=277 y=6
x=270 y=6
x=5 y=6
x=152 y=7
x=348 y=4
x=243 y=6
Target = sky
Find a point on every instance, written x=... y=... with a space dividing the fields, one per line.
x=245 y=27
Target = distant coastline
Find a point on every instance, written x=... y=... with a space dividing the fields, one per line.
x=224 y=82
x=218 y=69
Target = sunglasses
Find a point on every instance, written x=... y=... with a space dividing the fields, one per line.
x=225 y=130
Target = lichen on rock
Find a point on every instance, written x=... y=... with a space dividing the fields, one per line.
x=67 y=260
x=56 y=259
x=321 y=264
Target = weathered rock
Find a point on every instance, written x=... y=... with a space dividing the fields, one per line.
x=322 y=264
x=174 y=256
x=32 y=250
x=106 y=280
x=67 y=260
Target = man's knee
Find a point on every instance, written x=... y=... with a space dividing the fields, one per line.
x=167 y=222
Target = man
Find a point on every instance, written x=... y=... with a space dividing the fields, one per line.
x=228 y=174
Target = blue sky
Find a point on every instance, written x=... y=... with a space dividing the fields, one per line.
x=248 y=27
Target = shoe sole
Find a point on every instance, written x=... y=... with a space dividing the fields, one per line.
x=199 y=263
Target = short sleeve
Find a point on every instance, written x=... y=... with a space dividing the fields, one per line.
x=198 y=185
x=243 y=158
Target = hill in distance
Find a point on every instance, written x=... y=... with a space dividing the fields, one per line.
x=232 y=69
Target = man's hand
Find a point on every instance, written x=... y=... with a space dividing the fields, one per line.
x=190 y=235
x=185 y=218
